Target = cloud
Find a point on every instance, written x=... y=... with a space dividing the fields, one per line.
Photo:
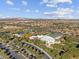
x=16 y=9
x=53 y=3
x=36 y=11
x=64 y=11
x=9 y=2
x=60 y=12
x=27 y=10
x=50 y=5
x=63 y=1
x=57 y=1
x=24 y=2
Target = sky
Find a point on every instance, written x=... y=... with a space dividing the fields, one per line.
x=48 y=9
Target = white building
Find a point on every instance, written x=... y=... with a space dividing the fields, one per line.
x=49 y=39
x=17 y=35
